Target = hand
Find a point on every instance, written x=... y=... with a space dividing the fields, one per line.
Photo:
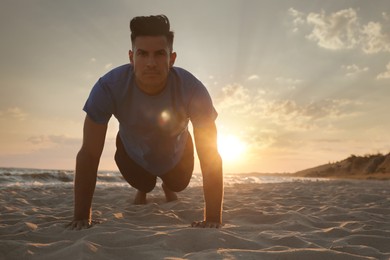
x=206 y=224
x=79 y=224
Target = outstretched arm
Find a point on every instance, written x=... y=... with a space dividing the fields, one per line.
x=211 y=166
x=87 y=163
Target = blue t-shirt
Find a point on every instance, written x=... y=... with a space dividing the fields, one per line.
x=153 y=128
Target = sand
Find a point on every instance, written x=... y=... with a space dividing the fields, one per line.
x=335 y=219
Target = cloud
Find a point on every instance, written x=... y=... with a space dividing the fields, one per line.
x=288 y=82
x=253 y=77
x=385 y=74
x=343 y=30
x=299 y=18
x=293 y=115
x=338 y=30
x=13 y=113
x=352 y=70
x=386 y=16
x=234 y=96
x=258 y=139
x=108 y=66
x=274 y=110
x=374 y=39
x=53 y=140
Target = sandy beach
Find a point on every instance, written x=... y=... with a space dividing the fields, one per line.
x=335 y=219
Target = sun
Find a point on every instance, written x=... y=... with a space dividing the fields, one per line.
x=230 y=147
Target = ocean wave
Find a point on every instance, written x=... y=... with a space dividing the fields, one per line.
x=18 y=177
x=38 y=177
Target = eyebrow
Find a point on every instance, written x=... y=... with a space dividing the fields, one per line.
x=145 y=51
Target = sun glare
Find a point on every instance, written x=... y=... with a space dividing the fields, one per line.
x=230 y=147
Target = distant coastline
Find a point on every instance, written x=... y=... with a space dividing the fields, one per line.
x=368 y=167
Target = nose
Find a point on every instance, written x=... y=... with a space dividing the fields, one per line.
x=151 y=61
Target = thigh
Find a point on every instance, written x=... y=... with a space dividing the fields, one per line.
x=133 y=173
x=179 y=177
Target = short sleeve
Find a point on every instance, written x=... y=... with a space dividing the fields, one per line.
x=99 y=105
x=201 y=110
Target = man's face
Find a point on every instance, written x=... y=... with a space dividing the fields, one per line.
x=151 y=58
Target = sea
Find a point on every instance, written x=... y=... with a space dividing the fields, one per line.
x=27 y=178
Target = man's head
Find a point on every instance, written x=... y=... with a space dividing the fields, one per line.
x=155 y=25
x=151 y=54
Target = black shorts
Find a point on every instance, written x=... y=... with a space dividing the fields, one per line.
x=176 y=179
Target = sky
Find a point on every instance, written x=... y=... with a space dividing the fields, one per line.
x=299 y=83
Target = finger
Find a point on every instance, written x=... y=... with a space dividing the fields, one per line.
x=203 y=224
x=79 y=225
x=210 y=224
x=197 y=224
x=206 y=224
x=71 y=225
x=213 y=225
x=217 y=225
x=85 y=224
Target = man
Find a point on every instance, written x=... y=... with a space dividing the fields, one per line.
x=153 y=102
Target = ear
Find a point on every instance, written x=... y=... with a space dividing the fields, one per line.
x=172 y=59
x=131 y=56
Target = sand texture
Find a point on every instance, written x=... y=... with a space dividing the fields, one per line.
x=334 y=219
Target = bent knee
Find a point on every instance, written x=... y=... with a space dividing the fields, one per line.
x=176 y=187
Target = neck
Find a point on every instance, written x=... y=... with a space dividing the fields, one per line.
x=151 y=89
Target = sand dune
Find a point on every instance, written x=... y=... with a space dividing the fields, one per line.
x=292 y=220
x=354 y=167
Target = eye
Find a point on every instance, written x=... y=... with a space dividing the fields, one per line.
x=142 y=53
x=161 y=53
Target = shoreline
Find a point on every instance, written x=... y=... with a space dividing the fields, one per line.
x=366 y=177
x=374 y=176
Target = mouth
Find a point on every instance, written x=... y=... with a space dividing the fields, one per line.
x=151 y=73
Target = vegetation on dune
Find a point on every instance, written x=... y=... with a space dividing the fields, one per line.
x=369 y=166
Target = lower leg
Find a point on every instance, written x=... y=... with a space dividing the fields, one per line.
x=140 y=198
x=169 y=195
x=133 y=173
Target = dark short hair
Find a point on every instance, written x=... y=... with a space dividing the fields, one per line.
x=154 y=25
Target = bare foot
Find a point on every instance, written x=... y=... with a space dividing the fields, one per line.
x=140 y=198
x=169 y=195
